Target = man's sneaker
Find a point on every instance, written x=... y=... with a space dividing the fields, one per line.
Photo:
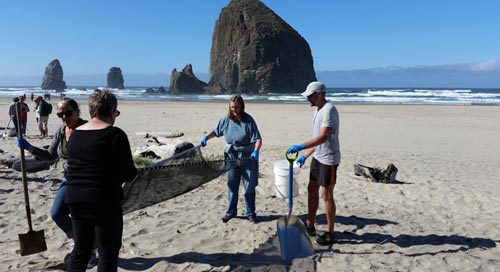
x=227 y=217
x=252 y=219
x=92 y=261
x=326 y=239
x=311 y=231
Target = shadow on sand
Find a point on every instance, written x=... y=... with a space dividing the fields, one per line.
x=267 y=256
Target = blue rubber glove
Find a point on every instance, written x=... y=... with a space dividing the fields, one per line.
x=204 y=141
x=255 y=155
x=23 y=144
x=296 y=148
x=301 y=160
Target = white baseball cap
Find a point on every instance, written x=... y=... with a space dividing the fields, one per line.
x=314 y=87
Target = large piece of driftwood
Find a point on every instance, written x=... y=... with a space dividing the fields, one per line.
x=165 y=148
x=160 y=134
x=387 y=175
x=32 y=164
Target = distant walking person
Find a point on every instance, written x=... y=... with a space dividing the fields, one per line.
x=43 y=109
x=12 y=113
x=37 y=111
x=24 y=113
x=326 y=149
x=99 y=162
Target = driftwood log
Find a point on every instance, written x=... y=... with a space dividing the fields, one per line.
x=31 y=164
x=160 y=134
x=165 y=148
x=387 y=175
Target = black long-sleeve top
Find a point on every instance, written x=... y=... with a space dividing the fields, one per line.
x=99 y=161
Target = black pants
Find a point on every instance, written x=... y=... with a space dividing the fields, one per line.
x=100 y=223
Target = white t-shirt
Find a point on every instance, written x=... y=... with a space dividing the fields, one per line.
x=327 y=153
x=37 y=110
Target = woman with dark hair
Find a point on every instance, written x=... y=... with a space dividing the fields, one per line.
x=69 y=112
x=99 y=162
x=243 y=141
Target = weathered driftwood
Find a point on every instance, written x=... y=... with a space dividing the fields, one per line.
x=31 y=164
x=387 y=175
x=160 y=134
x=7 y=161
x=165 y=148
x=164 y=140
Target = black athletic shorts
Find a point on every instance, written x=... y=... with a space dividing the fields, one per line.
x=323 y=174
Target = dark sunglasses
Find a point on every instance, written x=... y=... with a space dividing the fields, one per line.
x=64 y=113
x=117 y=113
x=311 y=95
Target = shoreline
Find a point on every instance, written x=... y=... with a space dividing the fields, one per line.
x=341 y=96
x=4 y=99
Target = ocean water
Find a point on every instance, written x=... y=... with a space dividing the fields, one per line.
x=407 y=96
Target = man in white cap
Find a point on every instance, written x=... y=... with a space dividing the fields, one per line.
x=325 y=148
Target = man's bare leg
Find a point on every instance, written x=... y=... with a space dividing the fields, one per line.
x=331 y=209
x=312 y=203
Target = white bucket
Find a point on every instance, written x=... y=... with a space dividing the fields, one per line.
x=281 y=171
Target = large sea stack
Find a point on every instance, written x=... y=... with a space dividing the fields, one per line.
x=114 y=78
x=185 y=81
x=53 y=78
x=255 y=51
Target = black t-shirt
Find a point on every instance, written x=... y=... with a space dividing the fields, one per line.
x=99 y=161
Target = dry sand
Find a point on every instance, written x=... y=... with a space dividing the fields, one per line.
x=441 y=215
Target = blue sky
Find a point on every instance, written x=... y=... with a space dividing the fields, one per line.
x=89 y=37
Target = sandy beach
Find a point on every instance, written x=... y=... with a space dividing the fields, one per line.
x=442 y=214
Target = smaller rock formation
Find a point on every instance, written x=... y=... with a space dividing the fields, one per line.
x=160 y=90
x=186 y=82
x=53 y=78
x=115 y=78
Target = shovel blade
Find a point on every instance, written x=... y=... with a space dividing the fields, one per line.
x=293 y=238
x=32 y=242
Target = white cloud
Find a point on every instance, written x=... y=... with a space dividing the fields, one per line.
x=485 y=66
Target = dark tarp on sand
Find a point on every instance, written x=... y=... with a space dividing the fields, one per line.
x=169 y=178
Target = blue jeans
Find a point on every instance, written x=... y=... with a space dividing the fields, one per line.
x=249 y=172
x=14 y=120
x=60 y=211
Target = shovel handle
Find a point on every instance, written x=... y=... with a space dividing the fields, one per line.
x=290 y=179
x=292 y=159
x=23 y=170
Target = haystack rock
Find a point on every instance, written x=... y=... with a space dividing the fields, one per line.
x=255 y=51
x=185 y=82
x=114 y=78
x=53 y=78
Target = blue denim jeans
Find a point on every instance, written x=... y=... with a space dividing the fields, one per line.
x=60 y=211
x=249 y=172
x=14 y=120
